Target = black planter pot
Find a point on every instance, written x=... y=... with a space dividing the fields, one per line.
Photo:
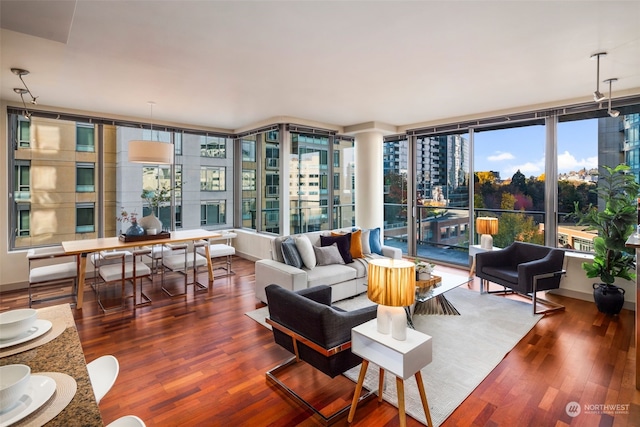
x=609 y=298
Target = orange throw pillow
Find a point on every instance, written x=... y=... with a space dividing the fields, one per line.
x=356 y=243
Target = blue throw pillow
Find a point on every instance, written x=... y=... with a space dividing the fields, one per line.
x=290 y=253
x=374 y=241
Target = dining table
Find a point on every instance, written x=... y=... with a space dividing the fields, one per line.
x=55 y=354
x=82 y=248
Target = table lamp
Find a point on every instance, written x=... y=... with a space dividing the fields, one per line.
x=392 y=285
x=487 y=227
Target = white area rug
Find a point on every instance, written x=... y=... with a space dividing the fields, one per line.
x=466 y=348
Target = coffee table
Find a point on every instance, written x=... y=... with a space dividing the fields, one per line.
x=431 y=300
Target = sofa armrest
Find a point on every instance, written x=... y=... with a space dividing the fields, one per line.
x=269 y=271
x=391 y=252
x=551 y=263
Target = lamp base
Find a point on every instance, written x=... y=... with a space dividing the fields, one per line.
x=486 y=242
x=392 y=320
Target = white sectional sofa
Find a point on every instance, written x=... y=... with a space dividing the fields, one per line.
x=346 y=280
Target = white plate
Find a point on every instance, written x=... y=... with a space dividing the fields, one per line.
x=39 y=328
x=40 y=389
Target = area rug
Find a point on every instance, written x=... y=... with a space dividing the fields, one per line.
x=466 y=348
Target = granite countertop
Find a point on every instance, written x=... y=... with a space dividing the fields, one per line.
x=63 y=354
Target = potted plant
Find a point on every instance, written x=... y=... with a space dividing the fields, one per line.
x=155 y=199
x=618 y=190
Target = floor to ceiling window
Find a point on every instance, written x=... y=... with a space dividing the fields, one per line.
x=395 y=157
x=343 y=182
x=509 y=178
x=270 y=204
x=309 y=182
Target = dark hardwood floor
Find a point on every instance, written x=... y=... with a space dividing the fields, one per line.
x=202 y=362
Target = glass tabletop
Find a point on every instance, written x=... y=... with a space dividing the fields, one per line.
x=448 y=281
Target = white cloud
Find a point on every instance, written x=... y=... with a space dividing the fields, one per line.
x=527 y=169
x=567 y=162
x=499 y=156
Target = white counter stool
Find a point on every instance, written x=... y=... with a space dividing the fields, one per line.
x=221 y=250
x=127 y=421
x=181 y=262
x=47 y=272
x=130 y=268
x=103 y=372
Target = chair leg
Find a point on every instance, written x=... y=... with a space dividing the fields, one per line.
x=326 y=419
x=554 y=306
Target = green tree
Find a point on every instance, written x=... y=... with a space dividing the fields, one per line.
x=519 y=182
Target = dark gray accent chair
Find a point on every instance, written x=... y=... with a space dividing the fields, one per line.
x=305 y=323
x=524 y=268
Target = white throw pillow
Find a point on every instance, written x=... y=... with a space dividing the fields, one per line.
x=364 y=238
x=304 y=246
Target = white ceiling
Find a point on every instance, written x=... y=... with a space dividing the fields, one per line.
x=230 y=64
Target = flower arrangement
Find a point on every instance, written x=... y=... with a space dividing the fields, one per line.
x=127 y=216
x=424 y=267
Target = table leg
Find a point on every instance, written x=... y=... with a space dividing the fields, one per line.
x=423 y=397
x=380 y=384
x=401 y=409
x=209 y=266
x=82 y=264
x=356 y=394
x=472 y=270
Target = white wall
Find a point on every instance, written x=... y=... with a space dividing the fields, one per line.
x=576 y=284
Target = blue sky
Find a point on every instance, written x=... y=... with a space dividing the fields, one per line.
x=509 y=150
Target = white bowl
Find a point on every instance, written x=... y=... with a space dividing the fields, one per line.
x=14 y=380
x=16 y=322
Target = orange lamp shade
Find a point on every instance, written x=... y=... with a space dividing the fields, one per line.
x=392 y=282
x=486 y=225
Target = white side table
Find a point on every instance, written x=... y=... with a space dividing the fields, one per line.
x=402 y=358
x=473 y=250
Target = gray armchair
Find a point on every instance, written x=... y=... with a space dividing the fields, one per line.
x=305 y=323
x=524 y=268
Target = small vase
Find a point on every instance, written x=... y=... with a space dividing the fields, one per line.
x=424 y=276
x=151 y=222
x=135 y=230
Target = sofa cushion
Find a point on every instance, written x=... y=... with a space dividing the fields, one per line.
x=328 y=255
x=305 y=248
x=290 y=253
x=364 y=239
x=330 y=274
x=356 y=242
x=374 y=241
x=344 y=245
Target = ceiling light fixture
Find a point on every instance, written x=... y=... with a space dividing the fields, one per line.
x=150 y=152
x=20 y=91
x=21 y=72
x=612 y=113
x=597 y=95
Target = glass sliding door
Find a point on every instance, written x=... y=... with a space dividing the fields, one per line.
x=442 y=197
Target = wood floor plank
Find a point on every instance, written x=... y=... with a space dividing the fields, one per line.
x=199 y=361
